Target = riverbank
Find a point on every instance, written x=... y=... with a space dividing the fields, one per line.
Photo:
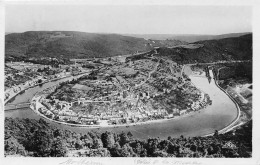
x=6 y=101
x=37 y=98
x=232 y=124
x=227 y=128
x=117 y=125
x=236 y=122
x=55 y=79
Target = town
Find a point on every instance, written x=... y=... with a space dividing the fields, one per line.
x=120 y=91
x=20 y=76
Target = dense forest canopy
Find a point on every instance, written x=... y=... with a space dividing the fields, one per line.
x=30 y=137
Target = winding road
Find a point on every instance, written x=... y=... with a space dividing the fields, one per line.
x=149 y=75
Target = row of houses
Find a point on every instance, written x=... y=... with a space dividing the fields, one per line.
x=10 y=92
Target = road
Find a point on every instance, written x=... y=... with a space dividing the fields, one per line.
x=149 y=75
x=234 y=123
x=125 y=55
x=219 y=62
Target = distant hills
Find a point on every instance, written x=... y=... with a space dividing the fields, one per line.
x=68 y=44
x=235 y=48
x=186 y=37
x=7 y=33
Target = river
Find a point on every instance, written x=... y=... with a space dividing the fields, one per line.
x=214 y=117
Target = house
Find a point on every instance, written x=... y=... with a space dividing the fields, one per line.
x=170 y=116
x=182 y=112
x=74 y=119
x=82 y=87
x=49 y=114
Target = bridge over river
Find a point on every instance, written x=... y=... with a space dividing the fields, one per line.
x=24 y=105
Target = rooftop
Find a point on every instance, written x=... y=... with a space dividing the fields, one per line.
x=82 y=87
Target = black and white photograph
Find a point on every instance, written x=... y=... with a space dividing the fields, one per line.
x=147 y=81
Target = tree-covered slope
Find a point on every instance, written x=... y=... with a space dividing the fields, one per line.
x=29 y=137
x=71 y=44
x=68 y=44
x=236 y=48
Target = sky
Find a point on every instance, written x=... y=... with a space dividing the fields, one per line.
x=129 y=19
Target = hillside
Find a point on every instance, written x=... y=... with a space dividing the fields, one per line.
x=186 y=37
x=30 y=137
x=75 y=44
x=236 y=48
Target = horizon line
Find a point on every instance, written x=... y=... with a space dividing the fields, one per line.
x=128 y=33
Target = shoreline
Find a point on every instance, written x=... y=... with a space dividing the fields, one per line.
x=119 y=125
x=6 y=101
x=233 y=123
x=55 y=79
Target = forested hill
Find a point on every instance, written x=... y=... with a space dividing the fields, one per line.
x=30 y=137
x=68 y=44
x=235 y=48
x=186 y=37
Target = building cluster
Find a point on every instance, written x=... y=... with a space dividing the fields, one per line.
x=21 y=66
x=14 y=90
x=201 y=103
x=21 y=75
x=110 y=95
x=123 y=107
